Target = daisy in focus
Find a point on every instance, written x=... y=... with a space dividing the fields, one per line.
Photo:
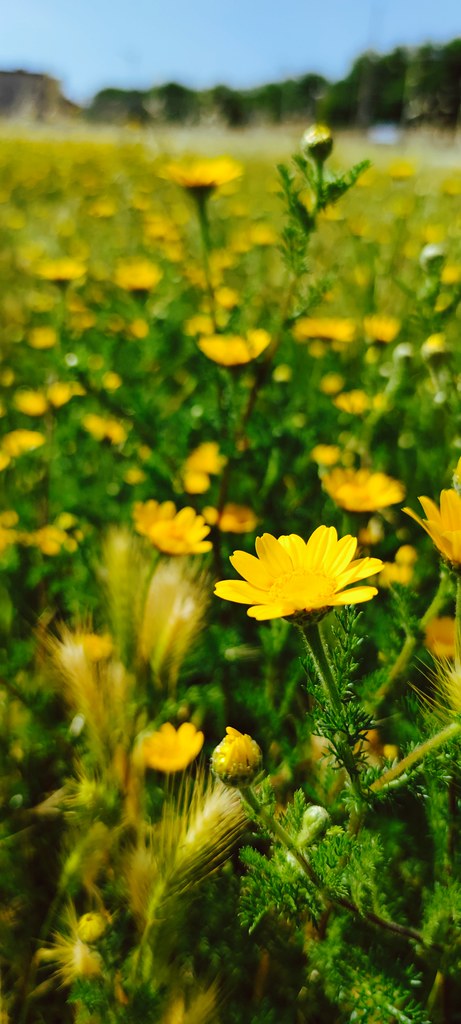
x=292 y=576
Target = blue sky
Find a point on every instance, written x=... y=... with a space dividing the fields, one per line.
x=89 y=44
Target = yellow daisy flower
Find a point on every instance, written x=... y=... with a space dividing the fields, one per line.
x=440 y=637
x=203 y=174
x=292 y=576
x=31 y=403
x=360 y=490
x=355 y=402
x=232 y=519
x=172 y=750
x=326 y=454
x=381 y=328
x=443 y=525
x=174 y=533
x=19 y=441
x=327 y=328
x=233 y=349
x=61 y=271
x=137 y=275
x=42 y=337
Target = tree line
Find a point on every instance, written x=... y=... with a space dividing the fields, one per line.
x=407 y=86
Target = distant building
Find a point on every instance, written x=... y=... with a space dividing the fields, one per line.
x=34 y=96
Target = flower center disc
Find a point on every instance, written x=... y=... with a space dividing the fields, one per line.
x=302 y=590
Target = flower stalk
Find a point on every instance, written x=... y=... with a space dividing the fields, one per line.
x=316 y=647
x=415 y=756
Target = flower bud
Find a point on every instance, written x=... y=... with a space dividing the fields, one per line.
x=91 y=927
x=315 y=822
x=237 y=759
x=317 y=142
x=432 y=257
x=434 y=346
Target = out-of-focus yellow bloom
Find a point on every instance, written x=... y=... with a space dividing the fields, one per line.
x=137 y=275
x=9 y=518
x=206 y=458
x=372 y=533
x=262 y=234
x=174 y=533
x=326 y=454
x=203 y=174
x=31 y=403
x=104 y=429
x=61 y=271
x=360 y=490
x=172 y=750
x=7 y=377
x=199 y=465
x=451 y=186
x=355 y=402
x=96 y=648
x=232 y=519
x=443 y=525
x=111 y=381
x=282 y=373
x=381 y=328
x=42 y=337
x=233 y=349
x=432 y=234
x=331 y=383
x=5 y=460
x=19 y=441
x=134 y=475
x=401 y=570
x=50 y=540
x=451 y=274
x=60 y=392
x=237 y=759
x=199 y=324
x=227 y=298
x=102 y=208
x=440 y=637
x=292 y=576
x=400 y=170
x=434 y=345
x=323 y=327
x=318 y=349
x=139 y=328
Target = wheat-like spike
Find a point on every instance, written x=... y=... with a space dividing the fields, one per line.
x=174 y=612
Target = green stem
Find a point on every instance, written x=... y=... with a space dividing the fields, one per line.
x=202 y=210
x=458 y=604
x=416 y=755
x=317 y=649
x=411 y=640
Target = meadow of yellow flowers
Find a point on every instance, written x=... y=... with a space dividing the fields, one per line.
x=226 y=390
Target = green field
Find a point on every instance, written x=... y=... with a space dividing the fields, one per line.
x=203 y=358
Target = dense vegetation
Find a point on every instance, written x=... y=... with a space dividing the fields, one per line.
x=412 y=87
x=199 y=357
